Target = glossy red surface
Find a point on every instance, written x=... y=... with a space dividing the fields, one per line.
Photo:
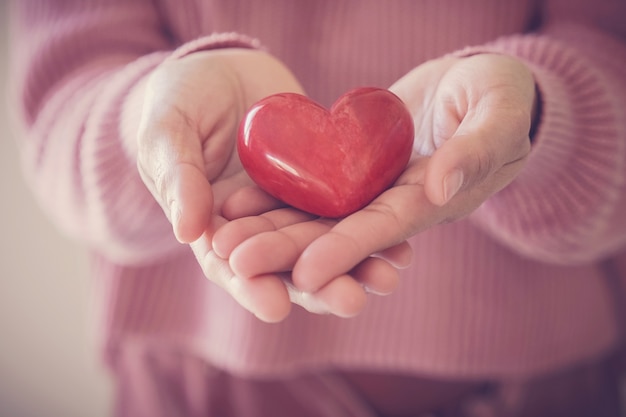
x=326 y=162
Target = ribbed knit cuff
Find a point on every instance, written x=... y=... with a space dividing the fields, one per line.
x=559 y=207
x=216 y=41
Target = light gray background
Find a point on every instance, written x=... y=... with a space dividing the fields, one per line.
x=48 y=360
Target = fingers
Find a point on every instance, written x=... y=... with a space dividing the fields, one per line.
x=269 y=296
x=399 y=256
x=235 y=232
x=170 y=156
x=265 y=296
x=384 y=224
x=377 y=276
x=476 y=153
x=270 y=245
x=170 y=165
x=275 y=251
x=191 y=200
x=346 y=295
x=285 y=239
x=477 y=124
x=238 y=204
x=343 y=297
x=185 y=138
x=483 y=122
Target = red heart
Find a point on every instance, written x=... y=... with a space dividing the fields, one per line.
x=329 y=163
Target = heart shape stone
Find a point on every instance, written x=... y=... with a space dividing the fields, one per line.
x=326 y=162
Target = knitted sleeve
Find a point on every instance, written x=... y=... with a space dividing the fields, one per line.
x=569 y=203
x=74 y=66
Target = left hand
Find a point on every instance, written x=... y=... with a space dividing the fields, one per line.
x=472 y=120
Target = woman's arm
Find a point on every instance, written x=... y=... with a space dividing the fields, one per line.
x=568 y=204
x=561 y=201
x=78 y=68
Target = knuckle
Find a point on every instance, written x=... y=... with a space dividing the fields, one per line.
x=486 y=161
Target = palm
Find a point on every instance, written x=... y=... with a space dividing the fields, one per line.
x=465 y=120
x=191 y=109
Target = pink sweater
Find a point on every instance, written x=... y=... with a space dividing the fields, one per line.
x=513 y=290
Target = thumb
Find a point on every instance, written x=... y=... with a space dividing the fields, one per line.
x=170 y=163
x=484 y=153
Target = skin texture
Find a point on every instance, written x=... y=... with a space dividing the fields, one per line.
x=472 y=119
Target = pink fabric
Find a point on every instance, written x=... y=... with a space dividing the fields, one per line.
x=162 y=382
x=514 y=290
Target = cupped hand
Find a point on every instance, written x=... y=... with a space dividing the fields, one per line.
x=186 y=155
x=472 y=117
x=262 y=244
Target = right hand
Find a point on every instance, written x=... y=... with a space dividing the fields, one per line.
x=186 y=138
x=186 y=151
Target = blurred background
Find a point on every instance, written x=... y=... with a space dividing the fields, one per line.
x=49 y=365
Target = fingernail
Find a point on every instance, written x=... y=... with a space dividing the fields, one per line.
x=368 y=290
x=452 y=183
